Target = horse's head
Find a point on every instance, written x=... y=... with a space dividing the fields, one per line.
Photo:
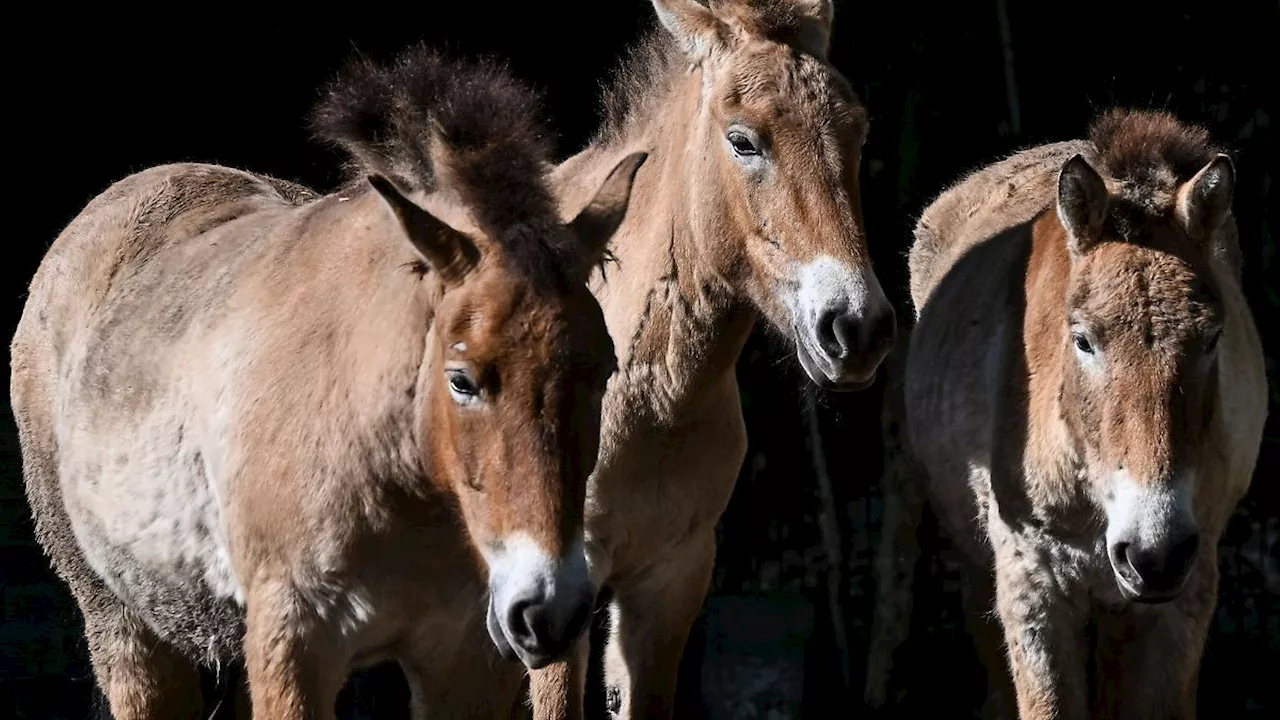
x=517 y=362
x=775 y=152
x=1144 y=321
x=517 y=355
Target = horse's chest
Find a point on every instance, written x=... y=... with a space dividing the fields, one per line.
x=659 y=488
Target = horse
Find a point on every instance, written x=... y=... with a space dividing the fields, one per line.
x=296 y=430
x=748 y=208
x=1084 y=388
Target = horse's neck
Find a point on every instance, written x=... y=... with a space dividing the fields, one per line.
x=364 y=316
x=677 y=326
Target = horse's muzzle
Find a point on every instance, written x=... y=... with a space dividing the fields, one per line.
x=538 y=630
x=539 y=603
x=1154 y=574
x=842 y=323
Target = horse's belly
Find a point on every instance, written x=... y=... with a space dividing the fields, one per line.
x=150 y=524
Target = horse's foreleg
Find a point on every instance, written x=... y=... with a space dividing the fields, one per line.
x=1149 y=655
x=558 y=689
x=652 y=619
x=294 y=668
x=141 y=676
x=1043 y=632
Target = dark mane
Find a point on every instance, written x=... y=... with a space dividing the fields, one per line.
x=639 y=81
x=1150 y=152
x=497 y=145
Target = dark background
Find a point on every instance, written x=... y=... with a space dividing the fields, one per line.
x=91 y=98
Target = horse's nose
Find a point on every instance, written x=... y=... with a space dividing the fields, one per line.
x=545 y=627
x=1156 y=572
x=843 y=336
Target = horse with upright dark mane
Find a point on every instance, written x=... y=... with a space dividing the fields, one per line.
x=747 y=209
x=311 y=431
x=1085 y=391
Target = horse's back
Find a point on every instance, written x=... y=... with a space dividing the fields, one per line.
x=980 y=206
x=127 y=226
x=109 y=431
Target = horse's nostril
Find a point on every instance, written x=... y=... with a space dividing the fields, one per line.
x=829 y=333
x=535 y=620
x=845 y=329
x=1120 y=561
x=525 y=620
x=1142 y=564
x=1162 y=569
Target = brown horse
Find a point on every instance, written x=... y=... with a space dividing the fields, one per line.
x=252 y=419
x=1085 y=390
x=748 y=207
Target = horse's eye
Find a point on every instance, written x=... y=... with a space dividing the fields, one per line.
x=1082 y=343
x=462 y=385
x=742 y=144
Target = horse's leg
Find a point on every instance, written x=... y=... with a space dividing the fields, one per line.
x=965 y=544
x=652 y=618
x=1044 y=632
x=557 y=691
x=1149 y=655
x=141 y=676
x=295 y=669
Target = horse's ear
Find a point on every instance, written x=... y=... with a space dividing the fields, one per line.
x=692 y=24
x=816 y=19
x=1082 y=203
x=595 y=224
x=806 y=24
x=449 y=253
x=1204 y=201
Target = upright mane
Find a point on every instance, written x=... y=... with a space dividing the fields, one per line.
x=641 y=78
x=491 y=126
x=1150 y=153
